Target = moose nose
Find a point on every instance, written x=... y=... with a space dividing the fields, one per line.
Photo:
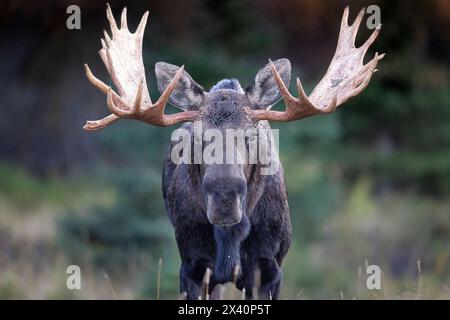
x=224 y=212
x=224 y=196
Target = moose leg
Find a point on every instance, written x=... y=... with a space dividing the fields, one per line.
x=191 y=277
x=196 y=246
x=263 y=274
x=267 y=244
x=270 y=278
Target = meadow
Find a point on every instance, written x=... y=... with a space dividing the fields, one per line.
x=368 y=185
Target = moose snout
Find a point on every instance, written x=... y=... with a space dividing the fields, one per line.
x=224 y=199
x=224 y=212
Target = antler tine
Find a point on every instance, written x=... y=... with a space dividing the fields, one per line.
x=355 y=26
x=344 y=20
x=371 y=39
x=100 y=84
x=158 y=117
x=123 y=19
x=301 y=92
x=107 y=39
x=94 y=80
x=365 y=76
x=136 y=108
x=103 y=46
x=112 y=21
x=283 y=90
x=164 y=98
x=100 y=124
x=141 y=27
x=358 y=19
x=102 y=53
x=347 y=32
x=113 y=108
x=364 y=83
x=137 y=101
x=371 y=65
x=103 y=43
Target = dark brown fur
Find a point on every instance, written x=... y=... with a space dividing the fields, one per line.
x=260 y=238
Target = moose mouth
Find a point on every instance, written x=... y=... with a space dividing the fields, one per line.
x=224 y=213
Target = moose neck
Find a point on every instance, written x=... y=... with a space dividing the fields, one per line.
x=228 y=245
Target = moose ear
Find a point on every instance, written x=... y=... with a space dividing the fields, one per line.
x=264 y=92
x=188 y=95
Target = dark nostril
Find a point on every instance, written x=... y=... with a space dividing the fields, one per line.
x=226 y=205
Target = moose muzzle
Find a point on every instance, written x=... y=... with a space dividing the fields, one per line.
x=224 y=189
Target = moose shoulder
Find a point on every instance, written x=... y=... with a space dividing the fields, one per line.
x=229 y=217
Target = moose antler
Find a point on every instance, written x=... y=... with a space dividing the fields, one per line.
x=122 y=56
x=346 y=77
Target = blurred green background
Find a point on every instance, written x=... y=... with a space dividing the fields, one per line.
x=369 y=184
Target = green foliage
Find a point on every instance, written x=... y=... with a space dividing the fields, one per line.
x=24 y=189
x=371 y=181
x=383 y=140
x=399 y=132
x=133 y=231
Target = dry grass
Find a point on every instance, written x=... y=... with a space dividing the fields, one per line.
x=33 y=265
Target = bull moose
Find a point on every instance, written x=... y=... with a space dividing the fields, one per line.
x=226 y=217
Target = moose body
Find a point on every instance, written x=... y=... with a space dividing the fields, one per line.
x=230 y=218
x=227 y=216
x=260 y=240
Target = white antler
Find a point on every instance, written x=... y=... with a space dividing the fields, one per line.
x=122 y=55
x=346 y=77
